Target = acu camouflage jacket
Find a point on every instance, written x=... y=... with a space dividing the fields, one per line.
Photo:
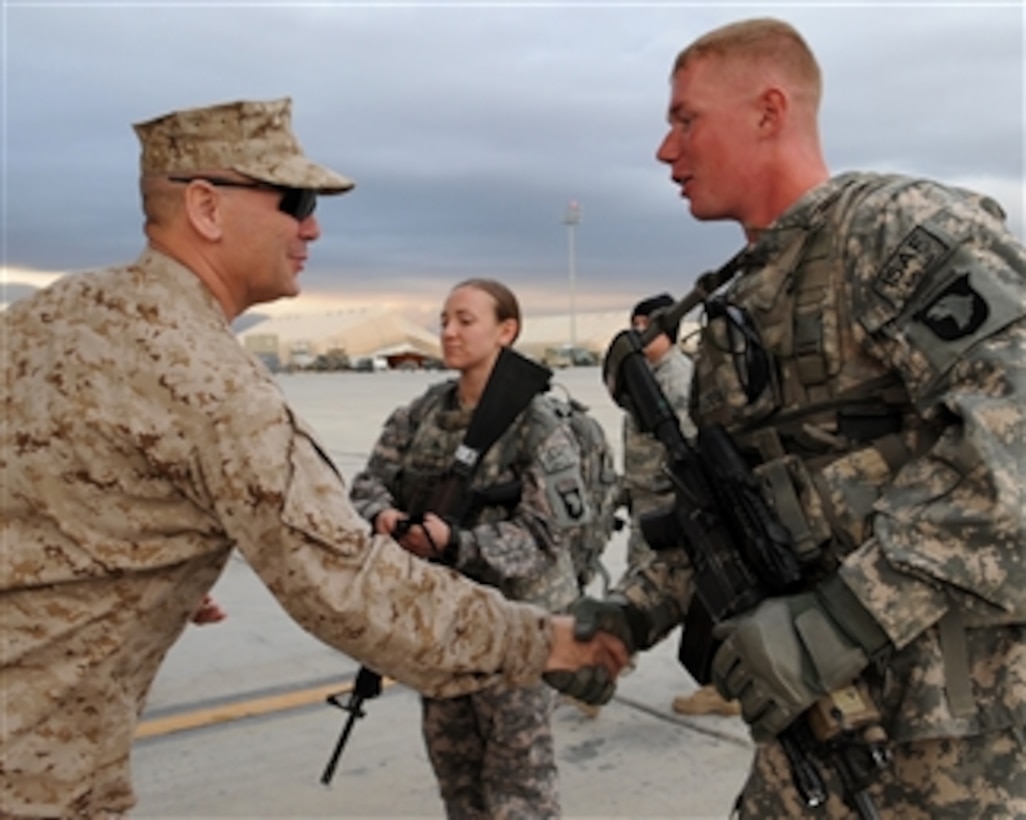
x=522 y=549
x=871 y=358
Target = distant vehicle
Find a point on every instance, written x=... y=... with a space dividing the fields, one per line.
x=370 y=364
x=335 y=359
x=569 y=356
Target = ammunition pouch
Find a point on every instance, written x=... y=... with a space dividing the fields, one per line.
x=789 y=490
x=827 y=510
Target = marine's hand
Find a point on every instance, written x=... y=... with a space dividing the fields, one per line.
x=784 y=655
x=584 y=669
x=208 y=612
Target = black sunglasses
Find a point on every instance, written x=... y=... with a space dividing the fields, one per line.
x=298 y=203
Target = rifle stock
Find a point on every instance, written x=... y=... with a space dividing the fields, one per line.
x=740 y=554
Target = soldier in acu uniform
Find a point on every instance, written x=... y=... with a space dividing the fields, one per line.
x=869 y=358
x=141 y=444
x=492 y=750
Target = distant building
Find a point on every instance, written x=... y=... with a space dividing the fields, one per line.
x=547 y=338
x=379 y=333
x=263 y=343
x=364 y=332
x=592 y=331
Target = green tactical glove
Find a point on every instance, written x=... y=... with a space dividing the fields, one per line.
x=589 y=684
x=783 y=656
x=615 y=615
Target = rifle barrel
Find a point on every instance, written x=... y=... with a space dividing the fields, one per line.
x=355 y=712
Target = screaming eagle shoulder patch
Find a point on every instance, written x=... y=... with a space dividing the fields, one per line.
x=956 y=312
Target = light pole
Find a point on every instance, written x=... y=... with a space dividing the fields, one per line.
x=571 y=219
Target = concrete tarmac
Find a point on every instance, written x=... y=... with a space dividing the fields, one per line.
x=236 y=724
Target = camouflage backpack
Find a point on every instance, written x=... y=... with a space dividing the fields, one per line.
x=603 y=483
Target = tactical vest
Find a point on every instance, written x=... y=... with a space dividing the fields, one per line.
x=786 y=368
x=781 y=368
x=438 y=427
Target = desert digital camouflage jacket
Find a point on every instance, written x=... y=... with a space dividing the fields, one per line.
x=141 y=444
x=522 y=550
x=887 y=418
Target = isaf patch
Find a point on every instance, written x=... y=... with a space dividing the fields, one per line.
x=555 y=459
x=957 y=311
x=905 y=268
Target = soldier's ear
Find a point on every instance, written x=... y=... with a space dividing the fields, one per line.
x=509 y=329
x=203 y=210
x=773 y=106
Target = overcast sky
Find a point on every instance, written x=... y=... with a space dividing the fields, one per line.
x=469 y=127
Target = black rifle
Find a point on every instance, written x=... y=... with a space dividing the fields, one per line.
x=366 y=686
x=740 y=554
x=513 y=383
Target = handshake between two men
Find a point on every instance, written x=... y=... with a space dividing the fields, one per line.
x=585 y=660
x=603 y=642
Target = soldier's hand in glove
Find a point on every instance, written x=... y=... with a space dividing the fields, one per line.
x=612 y=618
x=585 y=669
x=589 y=684
x=614 y=615
x=784 y=655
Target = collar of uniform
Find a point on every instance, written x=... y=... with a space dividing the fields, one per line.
x=451 y=416
x=796 y=221
x=664 y=360
x=186 y=285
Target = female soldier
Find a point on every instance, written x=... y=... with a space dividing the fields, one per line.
x=492 y=751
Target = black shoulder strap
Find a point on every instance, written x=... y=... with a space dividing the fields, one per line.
x=514 y=381
x=665 y=320
x=511 y=386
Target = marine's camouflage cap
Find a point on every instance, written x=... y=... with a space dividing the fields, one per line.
x=252 y=138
